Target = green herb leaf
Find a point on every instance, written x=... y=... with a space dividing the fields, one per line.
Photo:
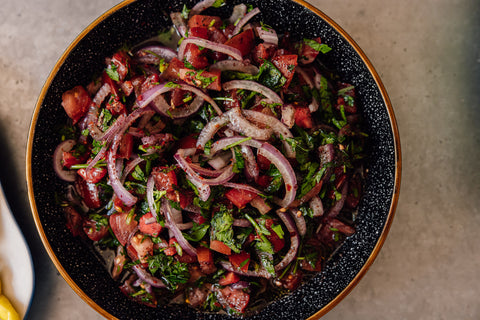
x=320 y=47
x=112 y=72
x=172 y=272
x=197 y=232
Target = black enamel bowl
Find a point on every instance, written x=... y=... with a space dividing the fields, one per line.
x=134 y=21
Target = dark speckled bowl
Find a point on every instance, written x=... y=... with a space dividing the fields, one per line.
x=133 y=21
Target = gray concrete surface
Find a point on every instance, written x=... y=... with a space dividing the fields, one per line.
x=428 y=56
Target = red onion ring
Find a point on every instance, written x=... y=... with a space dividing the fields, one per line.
x=261 y=272
x=66 y=175
x=147 y=277
x=215 y=46
x=243 y=21
x=299 y=221
x=251 y=167
x=179 y=23
x=242 y=186
x=162 y=106
x=294 y=240
x=153 y=54
x=186 y=246
x=150 y=199
x=253 y=86
x=237 y=13
x=268 y=35
x=317 y=206
x=234 y=65
x=277 y=126
x=203 y=189
x=201 y=6
x=274 y=156
x=338 y=206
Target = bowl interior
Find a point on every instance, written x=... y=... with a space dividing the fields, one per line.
x=132 y=22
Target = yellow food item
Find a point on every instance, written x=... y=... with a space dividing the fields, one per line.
x=7 y=312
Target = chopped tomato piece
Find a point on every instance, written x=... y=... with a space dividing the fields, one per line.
x=186 y=199
x=243 y=41
x=240 y=260
x=236 y=299
x=306 y=53
x=122 y=226
x=76 y=103
x=121 y=61
x=205 y=259
x=240 y=197
x=195 y=56
x=291 y=281
x=286 y=64
x=171 y=250
x=70 y=158
x=188 y=142
x=179 y=97
x=263 y=51
x=229 y=278
x=93 y=175
x=90 y=193
x=199 y=32
x=303 y=117
x=148 y=225
x=347 y=99
x=74 y=221
x=204 y=79
x=263 y=162
x=143 y=246
x=220 y=247
x=126 y=147
x=264 y=181
x=274 y=238
x=204 y=21
x=94 y=230
x=197 y=217
x=171 y=73
x=165 y=178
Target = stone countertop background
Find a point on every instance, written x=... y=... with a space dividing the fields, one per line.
x=428 y=56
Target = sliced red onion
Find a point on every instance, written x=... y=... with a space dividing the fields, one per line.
x=179 y=23
x=241 y=285
x=253 y=86
x=150 y=199
x=102 y=94
x=260 y=273
x=338 y=206
x=193 y=209
x=177 y=219
x=153 y=54
x=274 y=156
x=66 y=175
x=251 y=167
x=211 y=128
x=268 y=35
x=242 y=186
x=222 y=179
x=234 y=65
x=136 y=160
x=288 y=115
x=317 y=206
x=205 y=171
x=176 y=113
x=203 y=189
x=237 y=13
x=147 y=277
x=127 y=198
x=261 y=205
x=221 y=160
x=200 y=6
x=244 y=20
x=243 y=223
x=238 y=123
x=186 y=246
x=148 y=96
x=299 y=221
x=294 y=240
x=215 y=46
x=185 y=226
x=277 y=126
